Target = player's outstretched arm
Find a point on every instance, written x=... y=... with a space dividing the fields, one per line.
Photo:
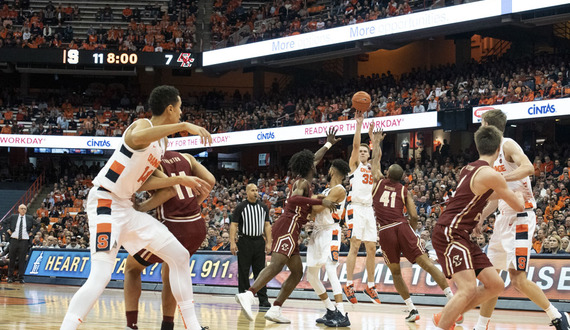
x=487 y=178
x=331 y=140
x=354 y=156
x=525 y=167
x=158 y=181
x=377 y=138
x=336 y=195
x=412 y=212
x=142 y=134
x=160 y=197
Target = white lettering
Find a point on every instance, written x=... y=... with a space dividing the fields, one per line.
x=545 y=281
x=564 y=280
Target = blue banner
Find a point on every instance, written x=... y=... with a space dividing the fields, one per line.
x=207 y=269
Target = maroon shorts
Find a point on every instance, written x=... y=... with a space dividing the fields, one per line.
x=285 y=233
x=456 y=252
x=191 y=234
x=399 y=239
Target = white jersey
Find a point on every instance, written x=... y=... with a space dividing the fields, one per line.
x=504 y=167
x=127 y=169
x=361 y=185
x=325 y=217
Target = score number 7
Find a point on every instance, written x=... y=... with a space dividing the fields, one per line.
x=168 y=58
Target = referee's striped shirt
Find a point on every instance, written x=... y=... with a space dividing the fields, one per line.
x=250 y=217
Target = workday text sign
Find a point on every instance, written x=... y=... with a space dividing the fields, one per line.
x=528 y=110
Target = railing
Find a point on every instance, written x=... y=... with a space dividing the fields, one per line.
x=28 y=195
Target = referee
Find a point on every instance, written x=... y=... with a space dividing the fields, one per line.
x=251 y=219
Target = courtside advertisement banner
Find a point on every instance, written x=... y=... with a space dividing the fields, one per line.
x=220 y=269
x=277 y=134
x=527 y=110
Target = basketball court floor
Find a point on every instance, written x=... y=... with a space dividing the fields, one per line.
x=41 y=306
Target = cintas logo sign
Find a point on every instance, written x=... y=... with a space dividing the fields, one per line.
x=528 y=110
x=541 y=110
x=266 y=136
x=99 y=143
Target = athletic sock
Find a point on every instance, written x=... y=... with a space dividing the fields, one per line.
x=167 y=325
x=348 y=282
x=70 y=321
x=328 y=304
x=448 y=293
x=552 y=312
x=371 y=285
x=340 y=307
x=410 y=304
x=132 y=318
x=187 y=309
x=482 y=323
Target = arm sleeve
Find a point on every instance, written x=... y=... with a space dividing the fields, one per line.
x=236 y=215
x=300 y=200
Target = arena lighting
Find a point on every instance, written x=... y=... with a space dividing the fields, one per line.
x=528 y=110
x=383 y=27
x=281 y=134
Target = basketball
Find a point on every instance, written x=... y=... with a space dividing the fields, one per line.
x=361 y=101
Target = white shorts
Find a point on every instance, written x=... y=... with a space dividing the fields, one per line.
x=113 y=222
x=361 y=222
x=323 y=246
x=511 y=242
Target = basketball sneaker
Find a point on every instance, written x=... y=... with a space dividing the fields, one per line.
x=338 y=321
x=437 y=317
x=413 y=316
x=561 y=323
x=372 y=294
x=274 y=315
x=349 y=293
x=329 y=315
x=246 y=300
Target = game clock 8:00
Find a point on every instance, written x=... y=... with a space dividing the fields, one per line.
x=106 y=57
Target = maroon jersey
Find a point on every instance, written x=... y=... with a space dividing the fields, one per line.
x=298 y=212
x=388 y=201
x=184 y=205
x=464 y=208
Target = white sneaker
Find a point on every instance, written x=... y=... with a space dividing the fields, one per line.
x=274 y=314
x=246 y=300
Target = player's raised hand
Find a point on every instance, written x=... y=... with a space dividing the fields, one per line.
x=378 y=136
x=198 y=186
x=371 y=129
x=205 y=136
x=330 y=205
x=331 y=135
x=359 y=117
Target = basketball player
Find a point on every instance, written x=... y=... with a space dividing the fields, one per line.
x=324 y=245
x=179 y=209
x=460 y=258
x=113 y=222
x=389 y=197
x=360 y=216
x=285 y=232
x=511 y=242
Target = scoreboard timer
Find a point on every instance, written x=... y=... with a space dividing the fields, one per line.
x=184 y=60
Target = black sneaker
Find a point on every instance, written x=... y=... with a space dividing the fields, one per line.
x=413 y=316
x=561 y=323
x=328 y=316
x=338 y=321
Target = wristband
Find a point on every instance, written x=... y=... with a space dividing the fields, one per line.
x=328 y=145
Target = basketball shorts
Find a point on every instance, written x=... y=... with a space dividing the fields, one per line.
x=455 y=251
x=113 y=222
x=190 y=233
x=511 y=242
x=361 y=222
x=323 y=246
x=285 y=233
x=397 y=239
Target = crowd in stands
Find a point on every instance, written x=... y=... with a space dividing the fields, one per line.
x=170 y=29
x=113 y=108
x=432 y=181
x=233 y=22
